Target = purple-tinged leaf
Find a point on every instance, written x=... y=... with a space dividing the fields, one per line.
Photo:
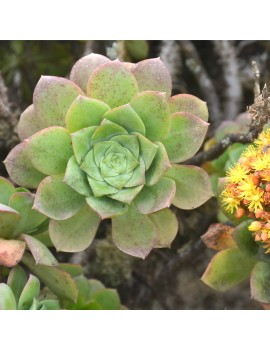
x=76 y=233
x=134 y=233
x=153 y=75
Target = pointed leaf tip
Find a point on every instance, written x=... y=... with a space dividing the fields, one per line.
x=134 y=233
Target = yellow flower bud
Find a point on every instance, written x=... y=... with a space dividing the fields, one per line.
x=255 y=226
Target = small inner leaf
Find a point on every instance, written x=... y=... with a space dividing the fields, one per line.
x=113 y=164
x=106 y=207
x=101 y=188
x=85 y=112
x=106 y=131
x=90 y=167
x=81 y=142
x=76 y=178
x=100 y=149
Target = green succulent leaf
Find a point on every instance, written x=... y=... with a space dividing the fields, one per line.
x=106 y=207
x=193 y=186
x=113 y=164
x=20 y=167
x=152 y=74
x=138 y=176
x=16 y=281
x=52 y=99
x=30 y=291
x=107 y=299
x=228 y=268
x=11 y=252
x=120 y=159
x=100 y=148
x=153 y=110
x=8 y=221
x=84 y=67
x=94 y=286
x=128 y=141
x=101 y=188
x=156 y=197
x=118 y=181
x=137 y=49
x=185 y=137
x=23 y=202
x=134 y=233
x=127 y=118
x=83 y=294
x=166 y=225
x=260 y=282
x=244 y=239
x=76 y=233
x=49 y=305
x=127 y=195
x=41 y=254
x=189 y=103
x=72 y=269
x=57 y=280
x=44 y=238
x=50 y=150
x=148 y=150
x=85 y=112
x=56 y=199
x=113 y=84
x=107 y=130
x=81 y=142
x=76 y=178
x=7 y=299
x=22 y=190
x=6 y=190
x=29 y=123
x=159 y=165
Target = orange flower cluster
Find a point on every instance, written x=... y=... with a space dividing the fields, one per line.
x=247 y=190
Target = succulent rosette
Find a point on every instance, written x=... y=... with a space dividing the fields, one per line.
x=18 y=223
x=105 y=144
x=22 y=293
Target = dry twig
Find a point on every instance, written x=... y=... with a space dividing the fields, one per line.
x=207 y=87
x=259 y=113
x=232 y=91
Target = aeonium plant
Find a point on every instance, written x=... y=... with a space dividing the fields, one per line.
x=19 y=226
x=105 y=144
x=22 y=293
x=22 y=234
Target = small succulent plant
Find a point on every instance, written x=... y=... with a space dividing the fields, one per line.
x=18 y=223
x=239 y=257
x=21 y=293
x=244 y=198
x=105 y=144
x=93 y=295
